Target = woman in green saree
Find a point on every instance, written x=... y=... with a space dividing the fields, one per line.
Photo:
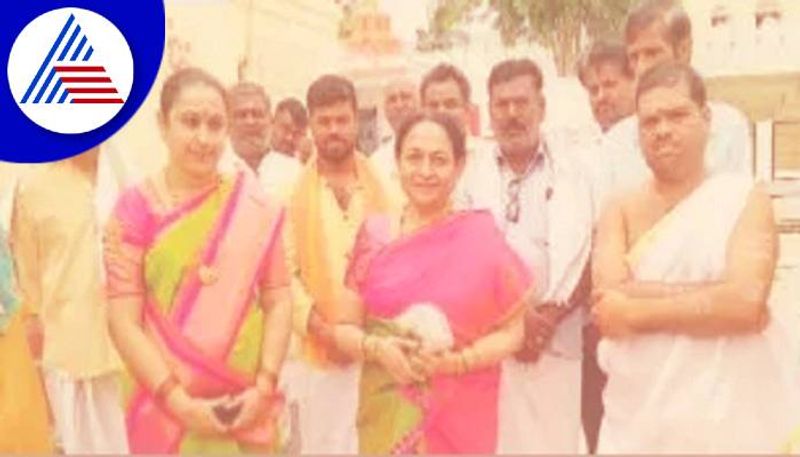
x=199 y=289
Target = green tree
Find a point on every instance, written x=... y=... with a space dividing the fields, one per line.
x=556 y=24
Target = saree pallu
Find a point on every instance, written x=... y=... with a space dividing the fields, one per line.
x=198 y=269
x=463 y=267
x=23 y=408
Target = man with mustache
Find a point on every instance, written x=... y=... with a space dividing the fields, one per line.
x=251 y=119
x=533 y=185
x=659 y=31
x=445 y=89
x=608 y=79
x=334 y=193
x=682 y=273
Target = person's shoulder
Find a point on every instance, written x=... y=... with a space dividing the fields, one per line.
x=34 y=176
x=736 y=183
x=624 y=128
x=725 y=114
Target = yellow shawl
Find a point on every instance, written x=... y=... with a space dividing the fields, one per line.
x=315 y=274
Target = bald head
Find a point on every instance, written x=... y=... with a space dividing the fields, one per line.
x=400 y=100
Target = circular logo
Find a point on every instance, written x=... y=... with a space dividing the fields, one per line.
x=76 y=72
x=70 y=70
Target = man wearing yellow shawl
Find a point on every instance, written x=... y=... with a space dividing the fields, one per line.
x=337 y=189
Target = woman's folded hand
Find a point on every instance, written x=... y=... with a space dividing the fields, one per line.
x=393 y=354
x=197 y=414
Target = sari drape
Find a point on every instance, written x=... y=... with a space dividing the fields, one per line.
x=198 y=269
x=463 y=267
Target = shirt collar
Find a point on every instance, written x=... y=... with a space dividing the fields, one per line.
x=542 y=160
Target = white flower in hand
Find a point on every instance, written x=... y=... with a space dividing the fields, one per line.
x=427 y=323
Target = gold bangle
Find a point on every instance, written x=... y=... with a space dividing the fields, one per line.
x=165 y=388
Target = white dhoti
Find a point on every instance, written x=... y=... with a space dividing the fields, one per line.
x=87 y=413
x=540 y=404
x=327 y=404
x=540 y=407
x=669 y=393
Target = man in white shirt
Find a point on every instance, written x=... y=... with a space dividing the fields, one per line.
x=251 y=131
x=280 y=167
x=537 y=192
x=400 y=99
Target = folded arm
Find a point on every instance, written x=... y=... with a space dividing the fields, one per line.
x=733 y=305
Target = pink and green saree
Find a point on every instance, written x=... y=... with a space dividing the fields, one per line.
x=464 y=267
x=198 y=269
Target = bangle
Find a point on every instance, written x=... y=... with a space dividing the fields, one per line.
x=165 y=388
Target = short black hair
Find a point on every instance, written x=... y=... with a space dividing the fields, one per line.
x=670 y=74
x=184 y=77
x=647 y=12
x=330 y=89
x=513 y=68
x=295 y=109
x=446 y=72
x=250 y=88
x=450 y=126
x=603 y=52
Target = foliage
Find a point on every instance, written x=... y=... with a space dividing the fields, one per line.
x=556 y=24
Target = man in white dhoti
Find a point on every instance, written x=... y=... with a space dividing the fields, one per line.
x=59 y=212
x=535 y=188
x=658 y=31
x=682 y=274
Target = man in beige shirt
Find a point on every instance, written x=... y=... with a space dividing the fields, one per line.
x=59 y=210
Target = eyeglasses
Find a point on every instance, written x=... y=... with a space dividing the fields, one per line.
x=513 y=205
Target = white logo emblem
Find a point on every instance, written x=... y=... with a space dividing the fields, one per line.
x=70 y=70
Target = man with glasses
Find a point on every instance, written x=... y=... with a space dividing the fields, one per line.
x=534 y=187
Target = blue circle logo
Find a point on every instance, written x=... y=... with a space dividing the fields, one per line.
x=75 y=74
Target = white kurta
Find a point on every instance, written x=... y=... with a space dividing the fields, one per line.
x=278 y=173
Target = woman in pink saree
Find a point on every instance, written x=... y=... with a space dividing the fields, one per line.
x=442 y=295
x=198 y=286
